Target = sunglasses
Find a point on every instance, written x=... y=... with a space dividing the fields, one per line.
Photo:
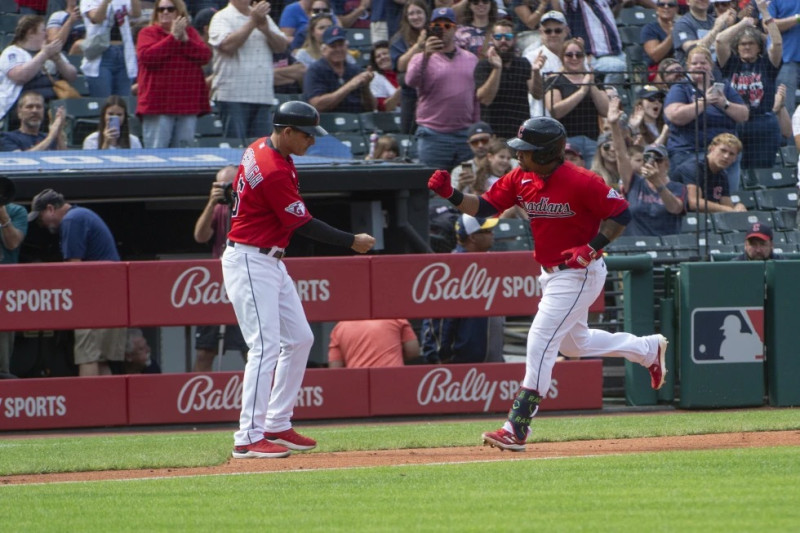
x=654 y=99
x=652 y=157
x=607 y=146
x=318 y=10
x=166 y=9
x=551 y=31
x=475 y=2
x=501 y=36
x=666 y=4
x=575 y=55
x=443 y=25
x=481 y=141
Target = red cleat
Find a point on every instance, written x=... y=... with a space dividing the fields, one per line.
x=504 y=440
x=261 y=449
x=658 y=370
x=292 y=440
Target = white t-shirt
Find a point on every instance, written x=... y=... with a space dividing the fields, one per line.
x=551 y=65
x=91 y=141
x=91 y=67
x=247 y=75
x=381 y=87
x=10 y=90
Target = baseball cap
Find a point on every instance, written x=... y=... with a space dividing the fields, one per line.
x=649 y=90
x=42 y=200
x=656 y=149
x=479 y=127
x=553 y=15
x=760 y=231
x=603 y=138
x=572 y=149
x=203 y=18
x=467 y=225
x=443 y=13
x=333 y=34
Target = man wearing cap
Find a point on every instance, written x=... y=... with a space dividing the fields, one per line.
x=331 y=84
x=555 y=32
x=443 y=76
x=84 y=237
x=243 y=38
x=466 y=340
x=479 y=135
x=573 y=155
x=657 y=204
x=504 y=81
x=758 y=245
x=707 y=184
x=268 y=211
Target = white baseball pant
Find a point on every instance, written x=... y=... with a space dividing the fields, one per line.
x=561 y=323
x=278 y=336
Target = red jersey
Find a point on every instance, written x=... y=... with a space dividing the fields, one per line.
x=268 y=207
x=565 y=210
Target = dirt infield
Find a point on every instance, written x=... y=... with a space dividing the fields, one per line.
x=322 y=461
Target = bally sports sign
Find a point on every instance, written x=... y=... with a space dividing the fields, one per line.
x=176 y=293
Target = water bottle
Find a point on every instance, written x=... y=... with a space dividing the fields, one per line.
x=373 y=141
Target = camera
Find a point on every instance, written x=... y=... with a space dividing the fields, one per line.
x=437 y=31
x=7 y=191
x=227 y=194
x=648 y=158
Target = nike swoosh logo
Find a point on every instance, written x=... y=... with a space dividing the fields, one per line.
x=525 y=181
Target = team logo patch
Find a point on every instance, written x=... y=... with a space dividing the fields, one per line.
x=298 y=209
x=727 y=335
x=614 y=194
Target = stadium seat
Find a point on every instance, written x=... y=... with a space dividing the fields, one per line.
x=691 y=222
x=789 y=155
x=358 y=38
x=287 y=97
x=5 y=39
x=75 y=60
x=382 y=122
x=746 y=198
x=135 y=125
x=358 y=144
x=82 y=87
x=208 y=126
x=218 y=142
x=630 y=34
x=80 y=107
x=771 y=199
x=8 y=22
x=408 y=146
x=784 y=219
x=628 y=244
x=8 y=6
x=681 y=241
x=340 y=122
x=512 y=234
x=636 y=16
x=792 y=236
x=774 y=177
x=739 y=221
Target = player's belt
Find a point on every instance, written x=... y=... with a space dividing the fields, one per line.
x=275 y=252
x=556 y=268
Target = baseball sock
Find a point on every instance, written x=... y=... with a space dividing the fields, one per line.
x=526 y=404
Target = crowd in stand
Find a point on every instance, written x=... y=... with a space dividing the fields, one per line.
x=715 y=71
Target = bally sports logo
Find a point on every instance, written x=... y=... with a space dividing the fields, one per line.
x=439 y=386
x=195 y=287
x=199 y=395
x=437 y=282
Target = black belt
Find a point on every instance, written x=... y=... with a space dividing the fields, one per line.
x=277 y=254
x=556 y=268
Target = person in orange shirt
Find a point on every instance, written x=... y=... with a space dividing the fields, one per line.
x=372 y=343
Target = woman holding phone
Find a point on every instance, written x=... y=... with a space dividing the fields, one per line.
x=703 y=102
x=112 y=130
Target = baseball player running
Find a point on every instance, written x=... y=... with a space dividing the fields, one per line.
x=573 y=215
x=267 y=210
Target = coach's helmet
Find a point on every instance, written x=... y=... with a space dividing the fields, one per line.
x=300 y=116
x=544 y=136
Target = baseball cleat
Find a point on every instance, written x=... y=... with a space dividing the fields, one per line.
x=261 y=449
x=658 y=370
x=292 y=440
x=504 y=440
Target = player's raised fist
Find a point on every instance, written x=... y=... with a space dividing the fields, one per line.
x=363 y=243
x=440 y=183
x=579 y=256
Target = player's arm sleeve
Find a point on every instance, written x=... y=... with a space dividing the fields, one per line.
x=623 y=218
x=320 y=231
x=485 y=208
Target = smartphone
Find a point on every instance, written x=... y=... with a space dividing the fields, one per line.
x=719 y=87
x=466 y=167
x=113 y=122
x=437 y=31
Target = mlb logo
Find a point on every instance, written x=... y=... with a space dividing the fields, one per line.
x=728 y=335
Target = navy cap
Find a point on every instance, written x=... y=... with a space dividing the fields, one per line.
x=760 y=231
x=443 y=13
x=333 y=34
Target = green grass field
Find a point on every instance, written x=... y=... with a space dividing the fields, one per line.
x=749 y=489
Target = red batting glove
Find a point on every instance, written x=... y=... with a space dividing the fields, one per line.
x=441 y=184
x=580 y=256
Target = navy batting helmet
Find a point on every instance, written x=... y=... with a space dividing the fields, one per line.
x=544 y=136
x=300 y=116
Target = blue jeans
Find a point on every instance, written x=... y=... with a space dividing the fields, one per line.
x=788 y=76
x=612 y=64
x=761 y=137
x=244 y=121
x=168 y=131
x=587 y=147
x=442 y=150
x=113 y=77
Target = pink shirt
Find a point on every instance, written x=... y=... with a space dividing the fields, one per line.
x=447 y=100
x=370 y=343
